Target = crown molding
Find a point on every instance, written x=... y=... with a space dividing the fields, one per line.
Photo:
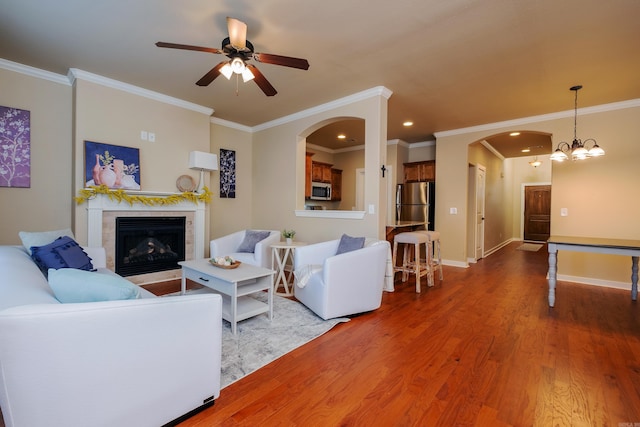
x=34 y=72
x=632 y=103
x=75 y=73
x=365 y=94
x=493 y=150
x=430 y=143
x=232 y=125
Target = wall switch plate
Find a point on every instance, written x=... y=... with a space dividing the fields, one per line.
x=144 y=135
x=564 y=212
x=453 y=211
x=372 y=209
x=152 y=137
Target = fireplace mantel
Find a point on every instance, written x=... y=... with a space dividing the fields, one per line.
x=102 y=203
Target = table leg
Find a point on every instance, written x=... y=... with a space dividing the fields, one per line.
x=553 y=271
x=234 y=308
x=270 y=299
x=634 y=278
x=183 y=283
x=280 y=276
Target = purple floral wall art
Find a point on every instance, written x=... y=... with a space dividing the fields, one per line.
x=15 y=147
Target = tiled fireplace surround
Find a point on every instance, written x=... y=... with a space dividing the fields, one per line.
x=101 y=222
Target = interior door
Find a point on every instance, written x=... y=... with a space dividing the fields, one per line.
x=537 y=212
x=480 y=205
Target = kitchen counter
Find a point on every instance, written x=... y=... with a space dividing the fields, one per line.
x=402 y=224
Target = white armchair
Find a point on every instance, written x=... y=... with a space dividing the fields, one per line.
x=339 y=285
x=229 y=244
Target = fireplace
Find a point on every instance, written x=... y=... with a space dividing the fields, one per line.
x=148 y=244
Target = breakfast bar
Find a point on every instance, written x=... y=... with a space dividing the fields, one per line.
x=592 y=244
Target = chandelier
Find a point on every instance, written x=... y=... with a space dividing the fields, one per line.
x=579 y=150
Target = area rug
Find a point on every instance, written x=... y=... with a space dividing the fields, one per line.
x=260 y=341
x=531 y=247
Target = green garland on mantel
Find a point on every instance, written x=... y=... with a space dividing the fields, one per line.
x=122 y=196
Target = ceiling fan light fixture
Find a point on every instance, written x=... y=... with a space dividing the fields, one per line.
x=237 y=65
x=226 y=70
x=247 y=75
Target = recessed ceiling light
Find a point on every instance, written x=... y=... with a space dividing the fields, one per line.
x=407 y=123
x=342 y=136
x=526 y=150
x=514 y=134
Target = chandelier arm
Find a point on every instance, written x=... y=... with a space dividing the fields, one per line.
x=564 y=147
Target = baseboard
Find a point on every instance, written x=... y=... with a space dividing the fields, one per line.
x=593 y=282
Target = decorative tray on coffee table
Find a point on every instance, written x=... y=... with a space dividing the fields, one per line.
x=235 y=264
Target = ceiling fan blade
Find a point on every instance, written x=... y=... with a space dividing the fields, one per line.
x=286 y=61
x=237 y=33
x=262 y=81
x=211 y=75
x=188 y=47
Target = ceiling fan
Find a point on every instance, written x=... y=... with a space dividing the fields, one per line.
x=239 y=50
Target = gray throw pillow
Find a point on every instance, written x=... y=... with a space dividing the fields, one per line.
x=251 y=237
x=348 y=244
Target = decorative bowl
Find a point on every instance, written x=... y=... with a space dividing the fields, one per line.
x=235 y=264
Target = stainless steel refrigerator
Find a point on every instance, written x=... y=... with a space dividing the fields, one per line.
x=415 y=201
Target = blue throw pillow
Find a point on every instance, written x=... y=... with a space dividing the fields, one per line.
x=64 y=252
x=40 y=238
x=73 y=285
x=251 y=238
x=348 y=244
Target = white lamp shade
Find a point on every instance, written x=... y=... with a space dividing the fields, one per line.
x=203 y=161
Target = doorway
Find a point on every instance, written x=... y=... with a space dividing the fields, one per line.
x=537 y=213
x=476 y=212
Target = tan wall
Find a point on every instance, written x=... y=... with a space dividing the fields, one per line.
x=47 y=204
x=230 y=215
x=348 y=162
x=278 y=169
x=598 y=193
x=497 y=224
x=108 y=115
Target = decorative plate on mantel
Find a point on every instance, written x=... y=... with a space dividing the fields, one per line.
x=185 y=183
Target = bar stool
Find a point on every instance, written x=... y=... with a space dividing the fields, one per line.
x=409 y=266
x=434 y=258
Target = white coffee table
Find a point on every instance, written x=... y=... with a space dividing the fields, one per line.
x=235 y=286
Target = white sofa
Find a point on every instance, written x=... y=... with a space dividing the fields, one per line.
x=141 y=362
x=339 y=285
x=229 y=244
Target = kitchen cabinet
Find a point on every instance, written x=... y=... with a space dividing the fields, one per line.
x=321 y=172
x=336 y=185
x=420 y=171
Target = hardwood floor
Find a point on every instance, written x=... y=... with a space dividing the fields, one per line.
x=480 y=349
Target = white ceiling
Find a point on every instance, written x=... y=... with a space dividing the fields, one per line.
x=450 y=64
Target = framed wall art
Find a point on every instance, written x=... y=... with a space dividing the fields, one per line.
x=15 y=147
x=227 y=174
x=111 y=165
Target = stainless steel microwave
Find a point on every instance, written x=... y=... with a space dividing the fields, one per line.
x=320 y=191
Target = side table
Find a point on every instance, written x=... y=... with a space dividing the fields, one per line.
x=283 y=253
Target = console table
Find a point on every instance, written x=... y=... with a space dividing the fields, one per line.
x=592 y=244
